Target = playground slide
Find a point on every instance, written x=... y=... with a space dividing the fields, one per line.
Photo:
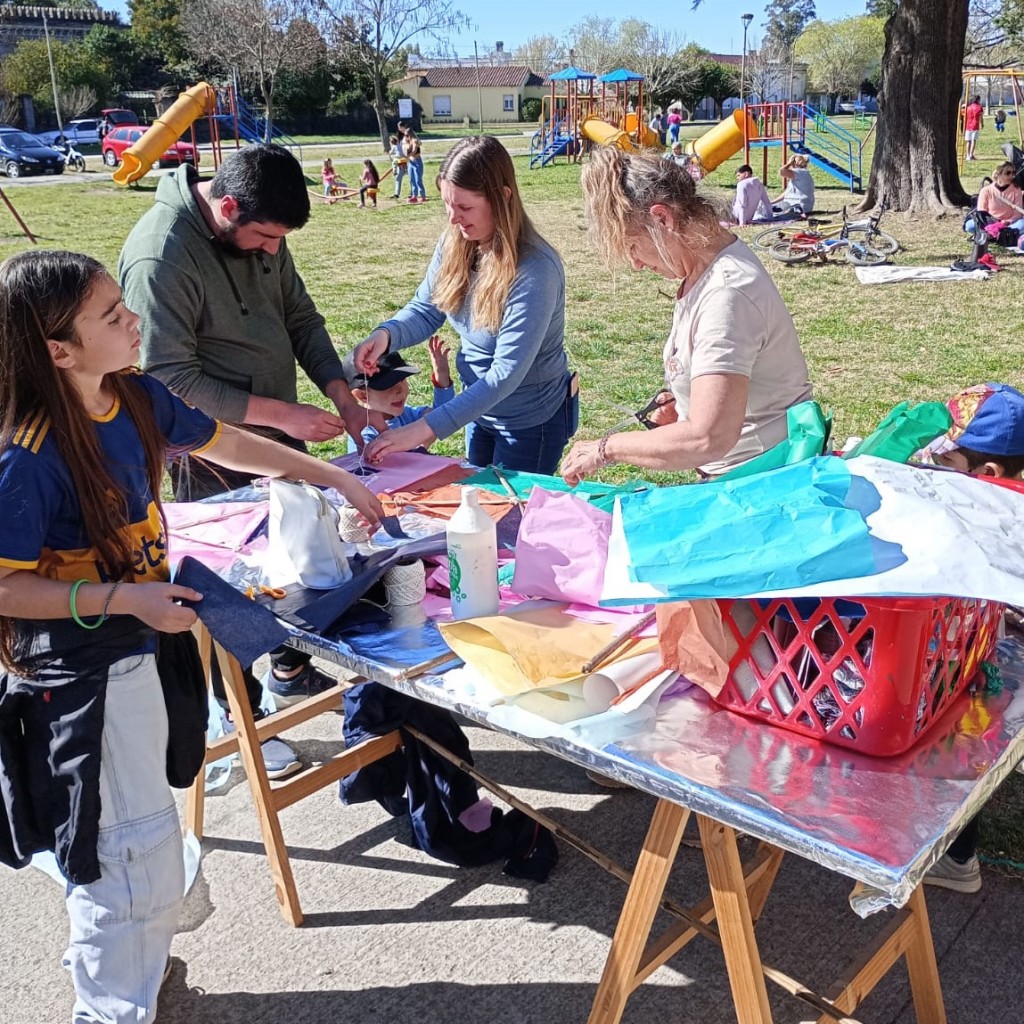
x=604 y=134
x=722 y=141
x=164 y=132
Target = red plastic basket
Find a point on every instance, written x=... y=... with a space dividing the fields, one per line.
x=872 y=675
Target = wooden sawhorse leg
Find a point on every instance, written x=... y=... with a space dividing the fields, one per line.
x=270 y=800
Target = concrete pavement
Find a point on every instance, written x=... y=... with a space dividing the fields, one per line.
x=392 y=937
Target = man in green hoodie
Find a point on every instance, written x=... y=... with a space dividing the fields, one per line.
x=225 y=318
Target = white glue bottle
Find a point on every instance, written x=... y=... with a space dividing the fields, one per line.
x=472 y=558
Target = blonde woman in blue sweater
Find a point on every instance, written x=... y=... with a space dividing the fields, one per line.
x=502 y=288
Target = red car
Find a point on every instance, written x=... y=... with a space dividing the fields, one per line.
x=117 y=140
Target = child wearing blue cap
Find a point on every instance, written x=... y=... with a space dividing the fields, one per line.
x=987 y=436
x=986 y=439
x=387 y=391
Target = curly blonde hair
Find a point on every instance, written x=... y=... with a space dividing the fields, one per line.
x=481 y=164
x=619 y=190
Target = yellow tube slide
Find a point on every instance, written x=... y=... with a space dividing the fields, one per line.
x=605 y=134
x=164 y=132
x=716 y=146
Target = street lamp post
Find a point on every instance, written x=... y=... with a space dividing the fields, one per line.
x=746 y=19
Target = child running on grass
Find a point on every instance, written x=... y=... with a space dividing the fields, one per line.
x=84 y=593
x=986 y=439
x=387 y=391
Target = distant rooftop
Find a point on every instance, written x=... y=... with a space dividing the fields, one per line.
x=502 y=76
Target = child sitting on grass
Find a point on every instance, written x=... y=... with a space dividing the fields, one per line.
x=986 y=439
x=387 y=391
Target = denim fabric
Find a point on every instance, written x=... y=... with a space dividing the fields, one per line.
x=528 y=449
x=240 y=626
x=121 y=926
x=416 y=179
x=399 y=178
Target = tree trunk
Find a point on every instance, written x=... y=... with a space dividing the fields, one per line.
x=378 y=107
x=915 y=164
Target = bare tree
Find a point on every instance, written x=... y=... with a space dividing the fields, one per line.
x=259 y=39
x=541 y=54
x=76 y=100
x=766 y=69
x=375 y=34
x=594 y=45
x=653 y=54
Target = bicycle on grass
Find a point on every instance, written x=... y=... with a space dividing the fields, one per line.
x=800 y=248
x=865 y=232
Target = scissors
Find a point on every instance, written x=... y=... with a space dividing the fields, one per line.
x=273 y=592
x=642 y=416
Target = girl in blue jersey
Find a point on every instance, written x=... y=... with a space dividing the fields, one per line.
x=83 y=594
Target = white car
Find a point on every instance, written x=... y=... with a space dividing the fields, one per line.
x=82 y=132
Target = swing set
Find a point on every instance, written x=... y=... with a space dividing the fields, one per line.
x=972 y=87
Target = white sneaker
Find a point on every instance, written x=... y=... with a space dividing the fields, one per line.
x=949 y=874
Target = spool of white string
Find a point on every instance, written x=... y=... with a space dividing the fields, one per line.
x=351 y=527
x=405 y=584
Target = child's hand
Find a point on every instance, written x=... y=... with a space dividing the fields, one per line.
x=439 y=352
x=155 y=604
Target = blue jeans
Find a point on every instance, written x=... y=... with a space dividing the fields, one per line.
x=416 y=179
x=122 y=924
x=399 y=178
x=527 y=450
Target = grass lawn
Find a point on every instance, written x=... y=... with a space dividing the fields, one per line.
x=868 y=347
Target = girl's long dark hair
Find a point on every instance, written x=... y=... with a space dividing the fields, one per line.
x=41 y=293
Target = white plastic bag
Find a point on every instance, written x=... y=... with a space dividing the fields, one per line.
x=304 y=534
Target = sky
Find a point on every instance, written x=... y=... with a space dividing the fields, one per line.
x=715 y=25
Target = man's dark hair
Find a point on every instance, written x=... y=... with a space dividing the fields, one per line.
x=1013 y=465
x=744 y=169
x=268 y=184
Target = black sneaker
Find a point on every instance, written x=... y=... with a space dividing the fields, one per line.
x=308 y=683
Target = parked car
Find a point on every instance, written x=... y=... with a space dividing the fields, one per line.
x=117 y=140
x=21 y=153
x=118 y=116
x=83 y=131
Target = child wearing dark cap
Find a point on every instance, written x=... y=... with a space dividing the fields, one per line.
x=387 y=391
x=986 y=439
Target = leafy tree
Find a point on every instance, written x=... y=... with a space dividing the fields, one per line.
x=27 y=70
x=786 y=20
x=882 y=8
x=377 y=34
x=260 y=39
x=156 y=28
x=117 y=51
x=840 y=54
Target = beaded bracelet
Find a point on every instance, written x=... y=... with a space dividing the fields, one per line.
x=74 y=610
x=110 y=597
x=602 y=451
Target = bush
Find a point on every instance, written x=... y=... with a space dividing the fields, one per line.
x=531 y=108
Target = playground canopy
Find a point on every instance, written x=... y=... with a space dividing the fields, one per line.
x=572 y=75
x=620 y=75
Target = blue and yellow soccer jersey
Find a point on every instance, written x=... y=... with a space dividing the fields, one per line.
x=40 y=517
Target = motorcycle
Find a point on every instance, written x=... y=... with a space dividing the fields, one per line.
x=73 y=160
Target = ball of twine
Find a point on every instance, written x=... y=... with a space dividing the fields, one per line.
x=405 y=584
x=350 y=527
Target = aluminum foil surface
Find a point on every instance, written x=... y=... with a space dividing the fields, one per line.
x=881 y=821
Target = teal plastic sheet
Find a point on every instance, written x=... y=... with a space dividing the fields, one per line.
x=785 y=528
x=807 y=434
x=906 y=429
x=599 y=495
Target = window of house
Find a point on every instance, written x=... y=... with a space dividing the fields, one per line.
x=442 y=106
x=508 y=103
